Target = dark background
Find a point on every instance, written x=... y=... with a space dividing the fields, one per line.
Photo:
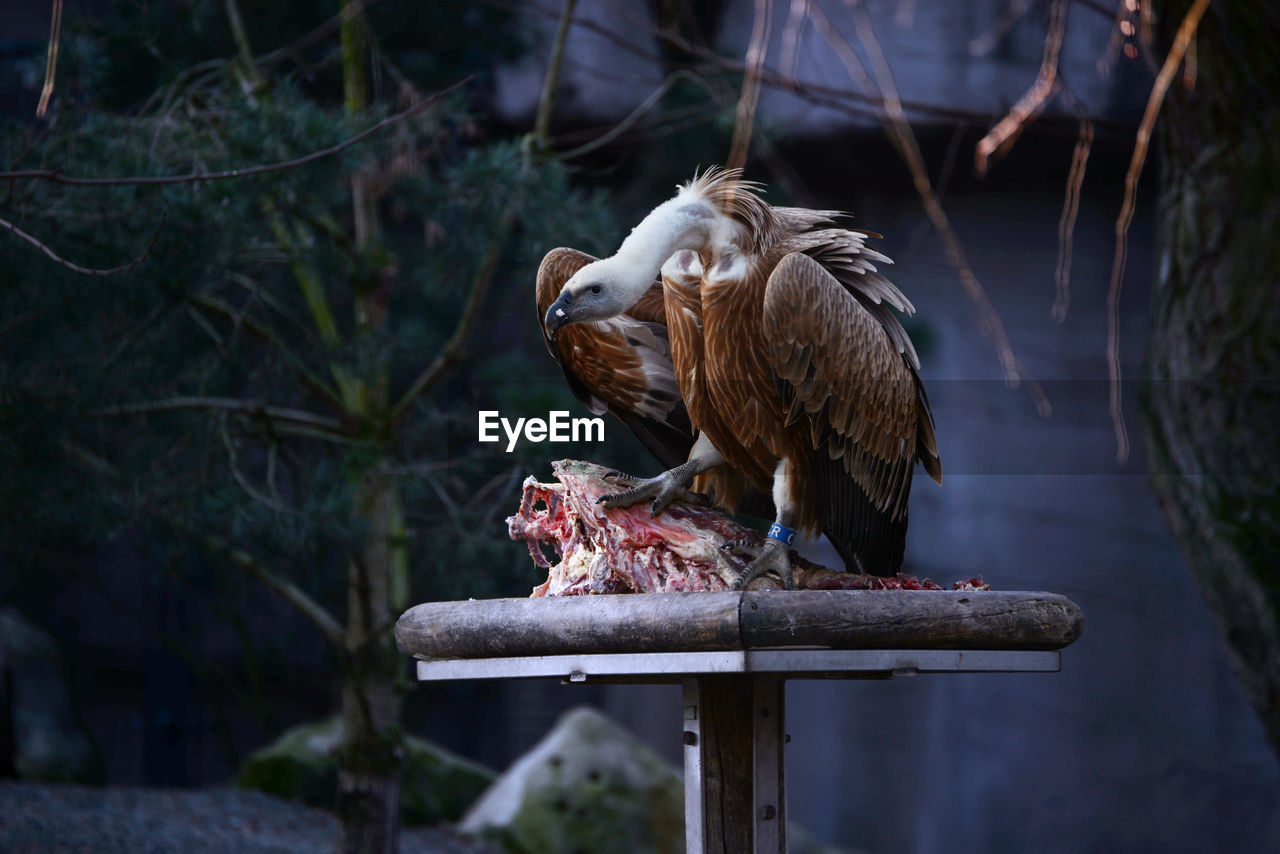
x=1144 y=741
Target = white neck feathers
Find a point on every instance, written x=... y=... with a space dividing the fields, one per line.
x=676 y=224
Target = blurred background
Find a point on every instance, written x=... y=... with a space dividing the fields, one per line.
x=238 y=414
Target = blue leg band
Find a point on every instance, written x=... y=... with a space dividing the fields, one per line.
x=781 y=533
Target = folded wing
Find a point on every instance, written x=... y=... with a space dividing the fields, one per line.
x=841 y=371
x=621 y=365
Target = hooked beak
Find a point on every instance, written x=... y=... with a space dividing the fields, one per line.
x=559 y=314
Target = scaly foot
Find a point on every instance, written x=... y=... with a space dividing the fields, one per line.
x=663 y=489
x=773 y=557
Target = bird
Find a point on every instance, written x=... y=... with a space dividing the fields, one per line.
x=621 y=364
x=794 y=371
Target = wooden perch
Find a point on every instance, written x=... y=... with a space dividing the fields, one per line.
x=704 y=622
x=682 y=575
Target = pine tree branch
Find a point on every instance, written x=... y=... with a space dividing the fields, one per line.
x=203 y=71
x=286 y=589
x=263 y=331
x=195 y=177
x=312 y=288
x=241 y=38
x=455 y=349
x=354 y=40
x=71 y=265
x=233 y=461
x=227 y=404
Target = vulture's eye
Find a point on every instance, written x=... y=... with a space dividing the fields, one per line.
x=595 y=289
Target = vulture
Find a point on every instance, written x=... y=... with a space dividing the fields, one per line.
x=777 y=357
x=621 y=364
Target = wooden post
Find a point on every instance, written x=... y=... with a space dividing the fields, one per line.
x=734 y=770
x=732 y=653
x=768 y=742
x=727 y=772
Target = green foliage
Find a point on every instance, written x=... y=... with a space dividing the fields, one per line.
x=141 y=48
x=220 y=311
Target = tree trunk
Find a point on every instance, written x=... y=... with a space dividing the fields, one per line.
x=370 y=762
x=1212 y=407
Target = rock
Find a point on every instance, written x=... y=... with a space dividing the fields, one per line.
x=302 y=764
x=439 y=785
x=588 y=786
x=45 y=739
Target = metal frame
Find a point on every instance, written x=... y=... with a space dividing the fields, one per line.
x=801 y=663
x=769 y=669
x=694 y=830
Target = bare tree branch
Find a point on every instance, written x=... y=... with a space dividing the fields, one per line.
x=903 y=138
x=195 y=177
x=1000 y=138
x=940 y=190
x=1122 y=31
x=1008 y=19
x=792 y=36
x=51 y=62
x=547 y=100
x=1181 y=42
x=761 y=27
x=70 y=265
x=1067 y=222
x=834 y=97
x=1190 y=67
x=636 y=114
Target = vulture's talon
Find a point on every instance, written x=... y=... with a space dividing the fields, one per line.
x=663 y=490
x=773 y=557
x=743 y=545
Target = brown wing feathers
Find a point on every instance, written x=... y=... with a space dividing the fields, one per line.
x=840 y=370
x=622 y=366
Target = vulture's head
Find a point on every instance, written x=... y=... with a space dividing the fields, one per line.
x=598 y=291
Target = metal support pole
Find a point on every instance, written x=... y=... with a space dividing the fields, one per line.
x=694 y=825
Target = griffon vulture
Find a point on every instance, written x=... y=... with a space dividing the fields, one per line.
x=621 y=364
x=791 y=366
